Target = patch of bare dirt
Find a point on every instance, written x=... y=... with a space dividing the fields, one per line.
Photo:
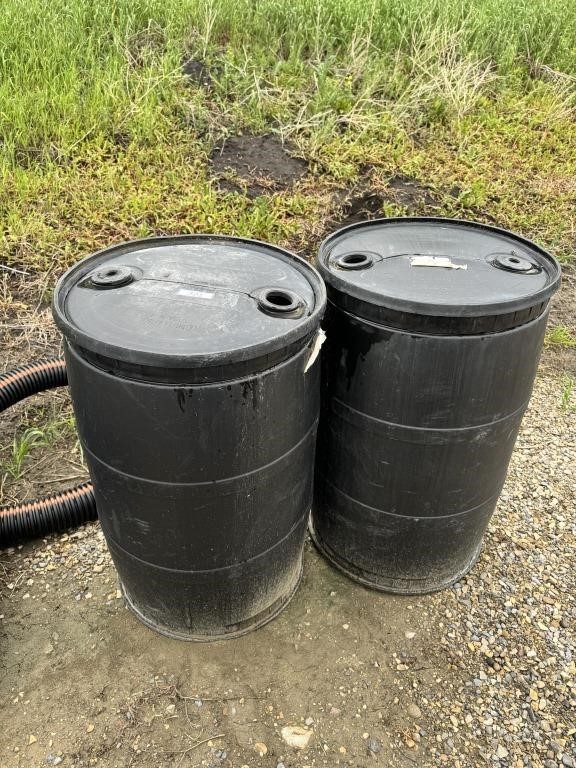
x=198 y=73
x=27 y=330
x=411 y=193
x=563 y=310
x=364 y=202
x=255 y=164
x=93 y=686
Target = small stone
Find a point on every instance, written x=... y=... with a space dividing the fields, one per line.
x=309 y=721
x=48 y=649
x=374 y=746
x=345 y=626
x=32 y=739
x=414 y=711
x=296 y=736
x=171 y=709
x=568 y=761
x=261 y=748
x=501 y=752
x=334 y=712
x=89 y=727
x=280 y=765
x=342 y=750
x=410 y=635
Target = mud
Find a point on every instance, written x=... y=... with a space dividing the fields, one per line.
x=92 y=685
x=255 y=164
x=364 y=202
x=199 y=74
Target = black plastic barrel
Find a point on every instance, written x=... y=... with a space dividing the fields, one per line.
x=434 y=331
x=191 y=368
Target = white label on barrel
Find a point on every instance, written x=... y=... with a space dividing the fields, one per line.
x=194 y=293
x=435 y=261
x=315 y=351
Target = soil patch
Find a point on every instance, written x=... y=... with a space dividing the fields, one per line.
x=409 y=192
x=253 y=164
x=362 y=204
x=198 y=73
x=357 y=208
x=563 y=310
x=336 y=662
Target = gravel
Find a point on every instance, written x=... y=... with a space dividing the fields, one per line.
x=510 y=623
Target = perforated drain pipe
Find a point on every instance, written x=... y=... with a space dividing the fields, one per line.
x=58 y=511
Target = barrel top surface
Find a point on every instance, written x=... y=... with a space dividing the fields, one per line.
x=188 y=300
x=434 y=266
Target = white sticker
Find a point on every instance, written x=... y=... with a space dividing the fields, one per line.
x=435 y=261
x=194 y=293
x=315 y=351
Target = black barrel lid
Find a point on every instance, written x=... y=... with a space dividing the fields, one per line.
x=192 y=300
x=438 y=267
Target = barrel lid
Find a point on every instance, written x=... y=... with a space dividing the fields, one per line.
x=191 y=300
x=438 y=267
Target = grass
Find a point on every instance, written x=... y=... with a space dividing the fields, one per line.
x=568 y=388
x=21 y=447
x=103 y=137
x=51 y=431
x=561 y=336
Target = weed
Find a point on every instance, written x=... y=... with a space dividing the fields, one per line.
x=561 y=336
x=21 y=447
x=567 y=399
x=35 y=437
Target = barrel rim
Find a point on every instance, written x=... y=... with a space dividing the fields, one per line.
x=83 y=340
x=342 y=286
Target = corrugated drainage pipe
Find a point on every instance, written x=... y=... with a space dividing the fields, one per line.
x=58 y=511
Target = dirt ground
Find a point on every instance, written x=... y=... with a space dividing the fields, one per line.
x=94 y=686
x=255 y=164
x=480 y=674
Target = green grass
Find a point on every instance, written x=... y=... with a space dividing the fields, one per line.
x=567 y=397
x=86 y=69
x=561 y=336
x=33 y=437
x=103 y=138
x=21 y=447
x=73 y=70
